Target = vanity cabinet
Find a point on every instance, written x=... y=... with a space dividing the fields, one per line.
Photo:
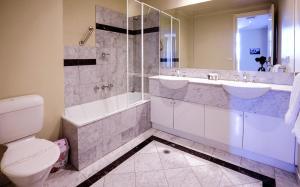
x=189 y=118
x=162 y=111
x=224 y=126
x=269 y=136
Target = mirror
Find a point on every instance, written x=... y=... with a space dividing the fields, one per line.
x=254 y=35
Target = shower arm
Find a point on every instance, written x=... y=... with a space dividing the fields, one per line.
x=87 y=35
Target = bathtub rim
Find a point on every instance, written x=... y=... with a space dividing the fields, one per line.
x=64 y=117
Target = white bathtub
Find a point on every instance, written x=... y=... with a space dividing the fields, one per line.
x=87 y=113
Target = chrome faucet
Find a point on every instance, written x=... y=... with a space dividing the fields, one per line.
x=96 y=88
x=245 y=77
x=109 y=86
x=104 y=54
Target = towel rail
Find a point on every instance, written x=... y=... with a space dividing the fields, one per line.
x=87 y=36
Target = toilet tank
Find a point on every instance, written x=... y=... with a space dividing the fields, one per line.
x=20 y=117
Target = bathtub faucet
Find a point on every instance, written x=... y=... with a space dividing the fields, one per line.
x=109 y=86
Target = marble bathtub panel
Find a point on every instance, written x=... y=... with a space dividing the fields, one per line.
x=143 y=117
x=111 y=125
x=88 y=74
x=89 y=135
x=87 y=157
x=71 y=75
x=128 y=119
x=128 y=135
x=86 y=52
x=274 y=103
x=70 y=52
x=69 y=131
x=111 y=143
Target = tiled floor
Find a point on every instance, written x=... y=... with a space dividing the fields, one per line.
x=160 y=165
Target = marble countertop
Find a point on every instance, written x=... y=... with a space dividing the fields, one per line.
x=274 y=87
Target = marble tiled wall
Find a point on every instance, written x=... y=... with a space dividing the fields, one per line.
x=81 y=82
x=91 y=142
x=263 y=77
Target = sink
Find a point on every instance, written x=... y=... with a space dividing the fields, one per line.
x=173 y=82
x=246 y=90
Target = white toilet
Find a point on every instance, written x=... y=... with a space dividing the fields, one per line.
x=28 y=160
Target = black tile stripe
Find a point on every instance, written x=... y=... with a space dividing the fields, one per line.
x=124 y=31
x=168 y=59
x=267 y=181
x=79 y=62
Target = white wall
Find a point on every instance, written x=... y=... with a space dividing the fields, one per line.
x=255 y=38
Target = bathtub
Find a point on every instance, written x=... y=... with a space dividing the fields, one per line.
x=87 y=113
x=97 y=128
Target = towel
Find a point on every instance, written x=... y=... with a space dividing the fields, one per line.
x=294 y=105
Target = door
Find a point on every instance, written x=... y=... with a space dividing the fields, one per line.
x=162 y=111
x=189 y=117
x=269 y=136
x=224 y=126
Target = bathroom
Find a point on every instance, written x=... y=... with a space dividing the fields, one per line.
x=149 y=93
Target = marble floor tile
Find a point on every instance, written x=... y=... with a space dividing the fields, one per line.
x=208 y=175
x=99 y=183
x=151 y=179
x=150 y=148
x=120 y=180
x=182 y=141
x=173 y=160
x=194 y=160
x=181 y=177
x=203 y=148
x=67 y=177
x=237 y=178
x=147 y=162
x=257 y=184
x=125 y=167
x=228 y=157
x=258 y=167
x=284 y=178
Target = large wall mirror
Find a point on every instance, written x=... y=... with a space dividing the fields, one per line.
x=256 y=35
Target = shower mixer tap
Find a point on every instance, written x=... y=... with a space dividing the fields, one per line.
x=109 y=86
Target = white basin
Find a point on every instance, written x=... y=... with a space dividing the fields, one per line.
x=246 y=90
x=173 y=82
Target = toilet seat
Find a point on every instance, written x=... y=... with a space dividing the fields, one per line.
x=28 y=157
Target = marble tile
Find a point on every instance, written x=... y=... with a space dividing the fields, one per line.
x=72 y=95
x=71 y=75
x=67 y=177
x=208 y=175
x=99 y=183
x=120 y=180
x=147 y=162
x=258 y=167
x=203 y=148
x=70 y=52
x=228 y=157
x=194 y=160
x=88 y=93
x=150 y=179
x=181 y=177
x=173 y=160
x=88 y=74
x=150 y=148
x=284 y=178
x=125 y=167
x=237 y=178
x=86 y=53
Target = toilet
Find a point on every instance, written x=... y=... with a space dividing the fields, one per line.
x=28 y=160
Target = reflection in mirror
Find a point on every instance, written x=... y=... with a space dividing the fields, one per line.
x=230 y=35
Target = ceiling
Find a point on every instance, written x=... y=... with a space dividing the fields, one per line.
x=254 y=22
x=212 y=6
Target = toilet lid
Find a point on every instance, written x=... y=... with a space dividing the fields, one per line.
x=29 y=157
